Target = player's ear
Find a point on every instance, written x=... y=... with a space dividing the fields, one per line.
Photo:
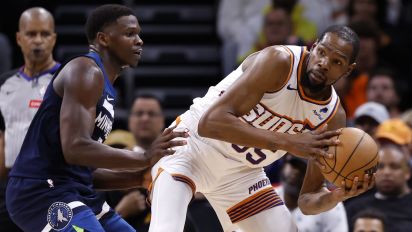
x=102 y=38
x=351 y=67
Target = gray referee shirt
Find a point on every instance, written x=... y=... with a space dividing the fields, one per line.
x=20 y=98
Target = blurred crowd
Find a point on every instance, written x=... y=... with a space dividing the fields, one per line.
x=375 y=97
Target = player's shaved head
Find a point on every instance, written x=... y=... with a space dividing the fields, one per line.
x=37 y=13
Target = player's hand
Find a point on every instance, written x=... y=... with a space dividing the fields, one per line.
x=164 y=143
x=314 y=144
x=131 y=204
x=342 y=193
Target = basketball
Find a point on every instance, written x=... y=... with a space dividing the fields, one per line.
x=355 y=156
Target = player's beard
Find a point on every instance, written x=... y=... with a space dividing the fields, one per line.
x=313 y=87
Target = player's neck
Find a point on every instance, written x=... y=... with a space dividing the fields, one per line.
x=32 y=69
x=111 y=65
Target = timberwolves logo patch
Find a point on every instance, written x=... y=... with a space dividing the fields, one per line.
x=59 y=215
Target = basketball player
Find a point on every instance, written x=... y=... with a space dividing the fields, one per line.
x=277 y=100
x=62 y=160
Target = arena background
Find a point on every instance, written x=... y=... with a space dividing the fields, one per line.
x=182 y=49
x=183 y=53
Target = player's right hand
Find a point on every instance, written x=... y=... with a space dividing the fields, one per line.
x=164 y=143
x=314 y=144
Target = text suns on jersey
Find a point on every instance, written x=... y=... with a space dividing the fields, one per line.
x=263 y=118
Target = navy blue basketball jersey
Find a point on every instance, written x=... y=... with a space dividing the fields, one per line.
x=41 y=155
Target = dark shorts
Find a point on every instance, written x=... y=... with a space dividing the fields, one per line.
x=38 y=205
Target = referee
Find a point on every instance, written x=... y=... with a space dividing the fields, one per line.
x=22 y=90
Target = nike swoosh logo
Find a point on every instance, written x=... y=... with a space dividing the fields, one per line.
x=109 y=99
x=290 y=88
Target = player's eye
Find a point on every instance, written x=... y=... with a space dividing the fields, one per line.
x=130 y=34
x=321 y=52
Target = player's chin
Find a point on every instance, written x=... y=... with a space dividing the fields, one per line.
x=133 y=61
x=134 y=65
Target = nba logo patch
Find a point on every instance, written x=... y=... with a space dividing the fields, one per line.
x=59 y=215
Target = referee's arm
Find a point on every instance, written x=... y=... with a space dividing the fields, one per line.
x=3 y=170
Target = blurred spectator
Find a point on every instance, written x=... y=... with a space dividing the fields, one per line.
x=293 y=173
x=374 y=10
x=394 y=131
x=5 y=54
x=382 y=88
x=146 y=121
x=393 y=196
x=407 y=118
x=121 y=139
x=369 y=220
x=277 y=30
x=369 y=115
x=22 y=91
x=302 y=27
x=325 y=13
x=238 y=25
x=352 y=90
x=398 y=26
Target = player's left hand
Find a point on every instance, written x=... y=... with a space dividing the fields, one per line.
x=342 y=193
x=164 y=143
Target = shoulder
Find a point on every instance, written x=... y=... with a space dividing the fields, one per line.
x=80 y=76
x=81 y=64
x=278 y=56
x=5 y=76
x=339 y=118
x=83 y=70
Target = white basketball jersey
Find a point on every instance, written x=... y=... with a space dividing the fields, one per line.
x=288 y=110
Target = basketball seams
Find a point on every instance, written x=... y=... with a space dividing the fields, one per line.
x=347 y=160
x=376 y=155
x=345 y=177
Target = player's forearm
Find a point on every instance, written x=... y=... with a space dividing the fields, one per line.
x=231 y=129
x=87 y=152
x=317 y=202
x=105 y=179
